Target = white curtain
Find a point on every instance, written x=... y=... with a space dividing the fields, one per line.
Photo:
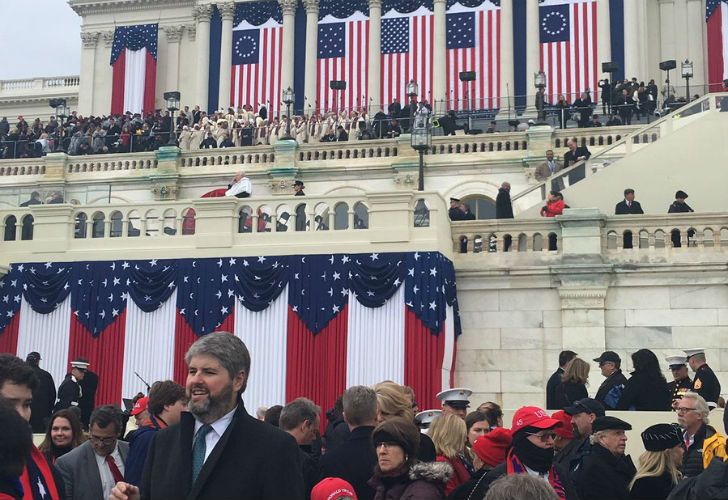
x=135 y=70
x=48 y=334
x=447 y=357
x=265 y=333
x=375 y=342
x=148 y=346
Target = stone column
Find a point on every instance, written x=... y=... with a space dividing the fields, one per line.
x=604 y=37
x=309 y=89
x=507 y=83
x=174 y=35
x=632 y=54
x=583 y=320
x=89 y=39
x=288 y=8
x=227 y=12
x=439 y=70
x=375 y=58
x=696 y=46
x=667 y=35
x=533 y=56
x=202 y=14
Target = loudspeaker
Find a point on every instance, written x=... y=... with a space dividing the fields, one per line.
x=467 y=76
x=337 y=84
x=610 y=67
x=668 y=65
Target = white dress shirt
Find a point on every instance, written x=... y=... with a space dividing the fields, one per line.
x=218 y=429
x=107 y=479
x=243 y=185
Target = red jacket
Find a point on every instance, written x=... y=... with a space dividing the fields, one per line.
x=460 y=475
x=553 y=208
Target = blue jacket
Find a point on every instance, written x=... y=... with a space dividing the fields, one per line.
x=138 y=446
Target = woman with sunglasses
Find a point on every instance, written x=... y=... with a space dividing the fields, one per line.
x=532 y=452
x=64 y=434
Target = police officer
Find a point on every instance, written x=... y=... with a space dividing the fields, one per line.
x=455 y=213
x=455 y=401
x=69 y=392
x=705 y=382
x=681 y=383
x=424 y=419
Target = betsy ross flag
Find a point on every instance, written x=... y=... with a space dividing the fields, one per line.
x=343 y=54
x=314 y=324
x=406 y=55
x=473 y=44
x=134 y=63
x=716 y=17
x=568 y=33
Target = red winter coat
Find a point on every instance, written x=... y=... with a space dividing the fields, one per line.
x=553 y=208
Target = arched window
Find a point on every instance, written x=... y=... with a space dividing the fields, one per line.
x=481 y=206
x=10 y=222
x=27 y=231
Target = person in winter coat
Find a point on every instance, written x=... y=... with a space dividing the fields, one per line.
x=398 y=475
x=490 y=451
x=658 y=468
x=702 y=440
x=449 y=434
x=647 y=389
x=503 y=207
x=607 y=471
x=44 y=397
x=69 y=392
x=573 y=383
x=712 y=484
x=554 y=205
x=611 y=389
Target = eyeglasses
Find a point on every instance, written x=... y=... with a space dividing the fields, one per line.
x=682 y=409
x=105 y=441
x=545 y=437
x=385 y=445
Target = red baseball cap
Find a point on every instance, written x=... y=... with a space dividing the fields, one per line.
x=491 y=448
x=140 y=406
x=333 y=488
x=532 y=416
x=565 y=430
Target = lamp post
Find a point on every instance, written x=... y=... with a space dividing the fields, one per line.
x=539 y=81
x=288 y=98
x=172 y=100
x=687 y=73
x=421 y=141
x=413 y=90
x=61 y=112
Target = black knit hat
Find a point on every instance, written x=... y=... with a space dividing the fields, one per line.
x=661 y=437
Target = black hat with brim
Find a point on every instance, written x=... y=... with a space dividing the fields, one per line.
x=682 y=195
x=610 y=424
x=585 y=405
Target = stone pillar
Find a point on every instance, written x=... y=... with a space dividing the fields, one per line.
x=696 y=46
x=583 y=321
x=604 y=37
x=227 y=12
x=632 y=27
x=89 y=39
x=507 y=83
x=309 y=90
x=375 y=58
x=533 y=56
x=439 y=70
x=202 y=36
x=174 y=35
x=680 y=36
x=288 y=8
x=667 y=36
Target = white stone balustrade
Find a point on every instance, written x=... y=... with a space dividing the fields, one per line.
x=13 y=86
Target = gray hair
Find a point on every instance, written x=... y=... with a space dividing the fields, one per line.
x=228 y=349
x=360 y=405
x=519 y=487
x=594 y=438
x=296 y=412
x=701 y=406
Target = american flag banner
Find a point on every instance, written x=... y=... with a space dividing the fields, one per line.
x=134 y=68
x=406 y=55
x=473 y=44
x=343 y=54
x=716 y=17
x=314 y=324
x=569 y=48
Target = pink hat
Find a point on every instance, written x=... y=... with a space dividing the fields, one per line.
x=532 y=416
x=332 y=488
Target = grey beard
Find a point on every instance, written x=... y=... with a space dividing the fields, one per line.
x=214 y=407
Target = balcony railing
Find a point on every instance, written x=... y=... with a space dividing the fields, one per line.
x=54 y=82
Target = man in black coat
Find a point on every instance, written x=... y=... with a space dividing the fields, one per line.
x=218 y=451
x=584 y=413
x=69 y=392
x=44 y=396
x=355 y=458
x=607 y=471
x=628 y=206
x=679 y=207
x=503 y=207
x=573 y=155
x=681 y=379
x=455 y=213
x=89 y=383
x=555 y=379
x=610 y=364
x=705 y=382
x=300 y=419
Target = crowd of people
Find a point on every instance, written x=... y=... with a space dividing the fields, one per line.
x=198 y=441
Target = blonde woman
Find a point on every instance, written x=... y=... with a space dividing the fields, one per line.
x=573 y=383
x=449 y=435
x=657 y=472
x=394 y=401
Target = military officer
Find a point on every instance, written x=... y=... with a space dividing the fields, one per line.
x=424 y=419
x=455 y=213
x=681 y=383
x=455 y=401
x=69 y=392
x=705 y=382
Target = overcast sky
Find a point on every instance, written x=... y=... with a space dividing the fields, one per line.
x=39 y=38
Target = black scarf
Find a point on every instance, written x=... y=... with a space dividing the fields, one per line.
x=533 y=457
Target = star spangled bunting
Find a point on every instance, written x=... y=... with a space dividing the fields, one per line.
x=258 y=281
x=203 y=298
x=246 y=47
x=461 y=30
x=151 y=283
x=395 y=35
x=134 y=38
x=318 y=288
x=10 y=296
x=257 y=13
x=341 y=9
x=45 y=286
x=711 y=6
x=555 y=23
x=331 y=40
x=98 y=294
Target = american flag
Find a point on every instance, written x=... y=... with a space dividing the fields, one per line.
x=569 y=48
x=313 y=323
x=716 y=17
x=473 y=44
x=134 y=63
x=343 y=54
x=256 y=68
x=407 y=41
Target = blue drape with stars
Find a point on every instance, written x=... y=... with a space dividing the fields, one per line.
x=318 y=287
x=134 y=38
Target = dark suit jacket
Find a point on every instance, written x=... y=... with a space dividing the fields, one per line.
x=622 y=209
x=570 y=158
x=252 y=460
x=80 y=472
x=354 y=461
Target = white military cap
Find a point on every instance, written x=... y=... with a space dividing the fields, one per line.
x=694 y=351
x=83 y=365
x=425 y=418
x=457 y=398
x=676 y=360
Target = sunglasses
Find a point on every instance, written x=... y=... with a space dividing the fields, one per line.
x=544 y=437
